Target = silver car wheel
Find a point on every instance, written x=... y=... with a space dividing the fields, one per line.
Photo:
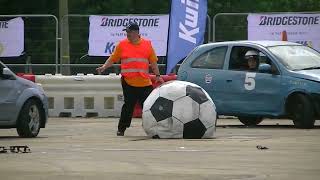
x=34 y=118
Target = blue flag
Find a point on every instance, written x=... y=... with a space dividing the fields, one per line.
x=187 y=28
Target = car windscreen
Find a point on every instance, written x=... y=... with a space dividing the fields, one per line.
x=297 y=57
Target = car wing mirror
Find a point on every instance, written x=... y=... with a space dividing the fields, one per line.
x=7 y=74
x=265 y=68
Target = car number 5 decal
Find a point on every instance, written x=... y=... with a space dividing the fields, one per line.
x=250 y=83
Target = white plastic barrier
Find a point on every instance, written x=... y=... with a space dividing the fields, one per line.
x=83 y=95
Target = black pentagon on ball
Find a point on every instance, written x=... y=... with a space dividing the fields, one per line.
x=194 y=129
x=196 y=94
x=161 y=109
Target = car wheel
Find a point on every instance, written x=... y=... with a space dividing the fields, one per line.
x=250 y=121
x=28 y=124
x=301 y=111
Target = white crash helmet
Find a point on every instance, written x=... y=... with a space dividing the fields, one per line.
x=251 y=53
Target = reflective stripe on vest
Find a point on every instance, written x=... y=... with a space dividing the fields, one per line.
x=135 y=60
x=134 y=70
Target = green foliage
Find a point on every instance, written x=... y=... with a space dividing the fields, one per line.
x=118 y=7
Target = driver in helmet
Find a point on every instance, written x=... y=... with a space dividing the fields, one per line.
x=252 y=57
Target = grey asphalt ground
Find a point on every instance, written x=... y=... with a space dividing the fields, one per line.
x=87 y=148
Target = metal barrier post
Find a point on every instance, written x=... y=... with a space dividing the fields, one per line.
x=209 y=28
x=28 y=67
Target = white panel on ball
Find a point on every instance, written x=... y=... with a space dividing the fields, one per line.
x=170 y=128
x=152 y=122
x=177 y=90
x=149 y=101
x=185 y=109
x=208 y=114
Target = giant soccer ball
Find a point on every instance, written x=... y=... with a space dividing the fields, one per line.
x=179 y=109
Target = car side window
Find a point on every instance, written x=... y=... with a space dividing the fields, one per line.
x=213 y=59
x=249 y=59
x=263 y=59
x=237 y=60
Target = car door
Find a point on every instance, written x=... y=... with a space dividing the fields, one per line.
x=8 y=97
x=206 y=70
x=252 y=93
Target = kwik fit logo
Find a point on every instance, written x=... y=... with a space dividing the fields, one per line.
x=110 y=46
x=190 y=26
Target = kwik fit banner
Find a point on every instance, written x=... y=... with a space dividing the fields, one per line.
x=187 y=28
x=106 y=31
x=300 y=28
x=11 y=37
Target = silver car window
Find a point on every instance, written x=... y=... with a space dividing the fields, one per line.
x=297 y=57
x=213 y=59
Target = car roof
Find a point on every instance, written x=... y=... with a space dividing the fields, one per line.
x=261 y=43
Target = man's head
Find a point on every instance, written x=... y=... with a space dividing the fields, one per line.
x=252 y=57
x=132 y=32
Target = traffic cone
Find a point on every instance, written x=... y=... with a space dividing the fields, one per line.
x=284 y=36
x=309 y=43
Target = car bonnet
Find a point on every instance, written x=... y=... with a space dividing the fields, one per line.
x=313 y=75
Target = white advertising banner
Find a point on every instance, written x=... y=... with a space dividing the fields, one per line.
x=300 y=28
x=11 y=37
x=106 y=31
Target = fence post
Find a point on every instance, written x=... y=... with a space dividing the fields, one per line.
x=28 y=68
x=64 y=40
x=209 y=28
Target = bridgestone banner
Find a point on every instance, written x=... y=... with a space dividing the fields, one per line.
x=106 y=31
x=300 y=28
x=11 y=37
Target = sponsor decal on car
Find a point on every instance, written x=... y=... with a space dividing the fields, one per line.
x=208 y=78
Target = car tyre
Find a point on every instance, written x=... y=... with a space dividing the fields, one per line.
x=29 y=120
x=301 y=111
x=250 y=121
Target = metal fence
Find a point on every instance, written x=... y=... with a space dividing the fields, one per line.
x=75 y=32
x=233 y=26
x=45 y=54
x=41 y=47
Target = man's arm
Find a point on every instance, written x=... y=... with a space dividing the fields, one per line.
x=106 y=65
x=115 y=56
x=155 y=68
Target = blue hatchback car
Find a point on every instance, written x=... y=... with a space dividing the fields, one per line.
x=257 y=79
x=23 y=104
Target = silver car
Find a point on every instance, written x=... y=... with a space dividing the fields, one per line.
x=23 y=104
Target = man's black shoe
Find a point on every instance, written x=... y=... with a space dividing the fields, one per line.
x=120 y=133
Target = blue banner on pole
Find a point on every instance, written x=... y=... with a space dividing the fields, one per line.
x=187 y=28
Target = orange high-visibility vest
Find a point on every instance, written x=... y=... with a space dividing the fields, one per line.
x=135 y=58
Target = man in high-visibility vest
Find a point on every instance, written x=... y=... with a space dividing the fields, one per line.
x=135 y=53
